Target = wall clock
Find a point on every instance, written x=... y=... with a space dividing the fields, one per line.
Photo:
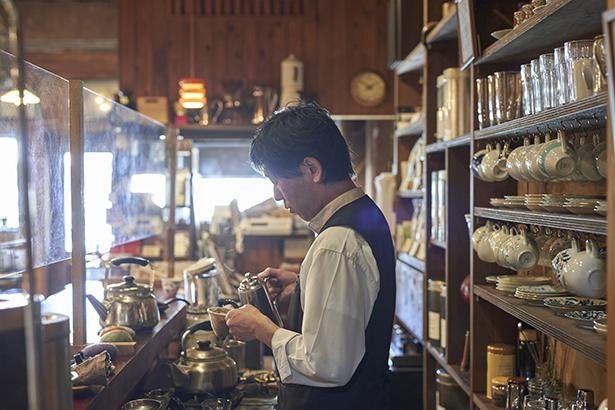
x=368 y=88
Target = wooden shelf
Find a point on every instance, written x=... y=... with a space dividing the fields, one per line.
x=483 y=403
x=588 y=342
x=460 y=141
x=413 y=129
x=410 y=194
x=195 y=131
x=461 y=378
x=446 y=29
x=557 y=22
x=414 y=61
x=583 y=223
x=587 y=108
x=411 y=261
x=437 y=243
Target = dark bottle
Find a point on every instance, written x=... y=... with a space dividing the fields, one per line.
x=526 y=366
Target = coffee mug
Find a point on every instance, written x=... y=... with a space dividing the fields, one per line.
x=522 y=253
x=532 y=167
x=479 y=234
x=484 y=250
x=476 y=161
x=585 y=272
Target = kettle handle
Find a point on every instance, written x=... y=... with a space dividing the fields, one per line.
x=134 y=260
x=195 y=328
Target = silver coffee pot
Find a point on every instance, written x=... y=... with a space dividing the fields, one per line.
x=252 y=291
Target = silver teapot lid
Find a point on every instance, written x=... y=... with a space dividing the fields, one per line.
x=129 y=288
x=203 y=351
x=250 y=282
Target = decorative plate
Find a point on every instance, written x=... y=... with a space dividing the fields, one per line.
x=585 y=315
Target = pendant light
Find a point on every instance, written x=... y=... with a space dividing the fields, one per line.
x=192 y=89
x=12 y=97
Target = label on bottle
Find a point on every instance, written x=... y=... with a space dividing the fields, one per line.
x=443 y=333
x=434 y=325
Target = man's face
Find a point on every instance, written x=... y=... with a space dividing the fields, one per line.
x=296 y=194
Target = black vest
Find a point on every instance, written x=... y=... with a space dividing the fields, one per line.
x=365 y=390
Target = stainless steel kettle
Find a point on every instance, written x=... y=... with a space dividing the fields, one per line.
x=252 y=291
x=201 y=285
x=128 y=303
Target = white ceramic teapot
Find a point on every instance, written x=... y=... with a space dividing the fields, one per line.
x=585 y=273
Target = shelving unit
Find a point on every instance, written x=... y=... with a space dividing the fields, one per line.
x=492 y=316
x=410 y=194
x=581 y=223
x=588 y=342
x=413 y=62
x=558 y=21
x=592 y=109
x=413 y=129
x=412 y=261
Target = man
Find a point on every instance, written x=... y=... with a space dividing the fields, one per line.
x=333 y=354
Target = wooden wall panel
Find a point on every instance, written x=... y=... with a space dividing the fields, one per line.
x=247 y=40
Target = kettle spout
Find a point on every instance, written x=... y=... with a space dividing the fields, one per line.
x=179 y=375
x=98 y=307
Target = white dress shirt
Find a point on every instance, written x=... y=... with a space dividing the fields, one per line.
x=339 y=285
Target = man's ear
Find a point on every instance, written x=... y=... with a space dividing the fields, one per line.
x=312 y=168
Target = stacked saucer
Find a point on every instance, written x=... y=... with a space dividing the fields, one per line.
x=586 y=317
x=563 y=304
x=539 y=292
x=510 y=283
x=581 y=206
x=514 y=201
x=600 y=326
x=497 y=202
x=600 y=208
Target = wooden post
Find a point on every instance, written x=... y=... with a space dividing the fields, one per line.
x=78 y=210
x=169 y=249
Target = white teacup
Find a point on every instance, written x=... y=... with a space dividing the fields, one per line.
x=484 y=250
x=496 y=241
x=586 y=165
x=561 y=259
x=557 y=159
x=521 y=253
x=475 y=163
x=530 y=168
x=493 y=165
x=585 y=272
x=479 y=233
x=513 y=157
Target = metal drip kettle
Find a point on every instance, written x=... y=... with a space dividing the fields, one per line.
x=252 y=291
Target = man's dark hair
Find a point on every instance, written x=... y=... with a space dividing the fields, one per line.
x=282 y=142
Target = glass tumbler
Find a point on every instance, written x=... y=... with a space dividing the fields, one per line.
x=581 y=63
x=600 y=72
x=482 y=103
x=526 y=89
x=507 y=95
x=536 y=85
x=562 y=89
x=535 y=405
x=491 y=93
x=547 y=79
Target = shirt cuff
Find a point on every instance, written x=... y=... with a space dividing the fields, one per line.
x=278 y=346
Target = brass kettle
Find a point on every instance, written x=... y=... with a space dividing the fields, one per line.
x=127 y=303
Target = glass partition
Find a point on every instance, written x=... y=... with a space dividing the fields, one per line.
x=48 y=133
x=124 y=175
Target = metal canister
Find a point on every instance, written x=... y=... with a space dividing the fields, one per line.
x=201 y=285
x=58 y=393
x=500 y=362
x=251 y=291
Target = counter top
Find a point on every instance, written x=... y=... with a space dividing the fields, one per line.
x=129 y=370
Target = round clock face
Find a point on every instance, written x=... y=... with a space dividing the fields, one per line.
x=368 y=89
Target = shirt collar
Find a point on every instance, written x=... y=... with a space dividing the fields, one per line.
x=318 y=222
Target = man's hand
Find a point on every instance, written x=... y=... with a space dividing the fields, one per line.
x=248 y=323
x=280 y=284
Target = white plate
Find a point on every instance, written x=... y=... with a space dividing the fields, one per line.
x=500 y=33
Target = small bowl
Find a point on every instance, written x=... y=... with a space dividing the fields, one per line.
x=143 y=404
